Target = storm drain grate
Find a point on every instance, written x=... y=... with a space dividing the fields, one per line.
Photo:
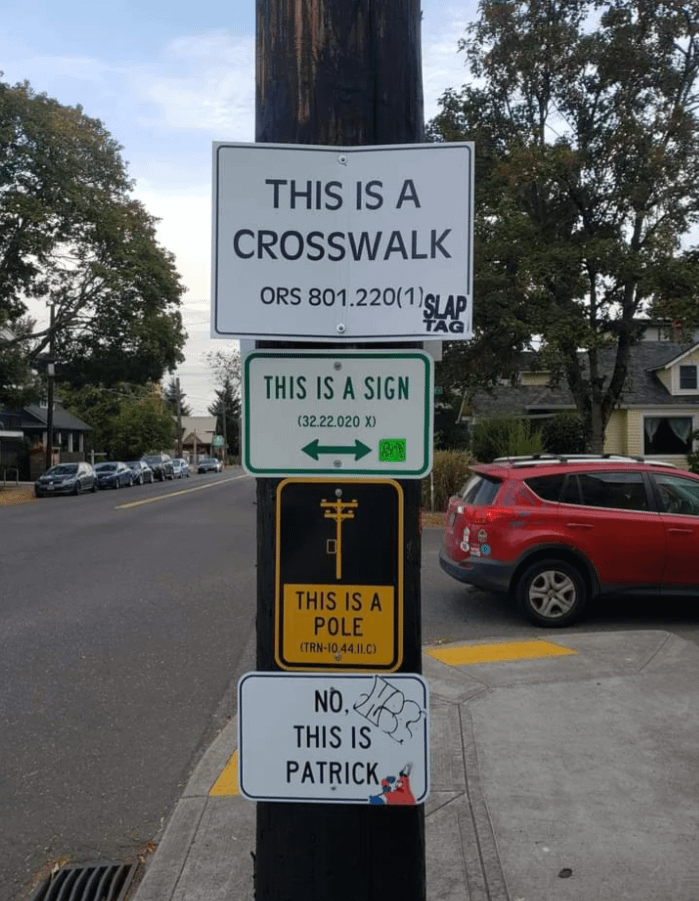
x=95 y=882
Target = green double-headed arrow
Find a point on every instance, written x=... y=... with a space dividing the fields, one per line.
x=315 y=449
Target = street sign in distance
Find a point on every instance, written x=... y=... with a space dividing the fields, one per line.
x=342 y=244
x=343 y=739
x=348 y=413
x=339 y=575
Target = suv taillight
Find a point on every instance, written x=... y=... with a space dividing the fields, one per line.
x=491 y=515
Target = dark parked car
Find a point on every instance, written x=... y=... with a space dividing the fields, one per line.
x=66 y=478
x=114 y=474
x=161 y=464
x=555 y=531
x=209 y=464
x=141 y=471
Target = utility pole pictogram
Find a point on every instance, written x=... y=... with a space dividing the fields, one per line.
x=339 y=511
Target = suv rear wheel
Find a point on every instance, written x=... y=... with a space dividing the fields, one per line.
x=551 y=593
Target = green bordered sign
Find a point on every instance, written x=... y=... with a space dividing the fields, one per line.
x=339 y=575
x=349 y=413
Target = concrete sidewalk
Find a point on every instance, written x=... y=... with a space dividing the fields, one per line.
x=565 y=767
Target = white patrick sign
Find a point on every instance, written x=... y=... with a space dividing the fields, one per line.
x=342 y=244
x=333 y=739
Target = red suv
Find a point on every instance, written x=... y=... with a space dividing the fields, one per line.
x=556 y=531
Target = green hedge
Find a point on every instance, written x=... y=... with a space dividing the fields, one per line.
x=563 y=434
x=504 y=438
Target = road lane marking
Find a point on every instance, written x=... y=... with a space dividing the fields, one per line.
x=163 y=497
x=227 y=782
x=468 y=655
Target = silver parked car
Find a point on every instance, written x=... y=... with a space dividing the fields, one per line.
x=180 y=468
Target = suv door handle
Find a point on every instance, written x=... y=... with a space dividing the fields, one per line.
x=580 y=525
x=679 y=531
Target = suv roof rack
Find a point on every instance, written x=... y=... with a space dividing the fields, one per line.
x=547 y=459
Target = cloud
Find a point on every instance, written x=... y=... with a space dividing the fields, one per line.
x=442 y=65
x=203 y=82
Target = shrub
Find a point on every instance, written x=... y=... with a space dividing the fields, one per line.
x=449 y=472
x=563 y=434
x=504 y=438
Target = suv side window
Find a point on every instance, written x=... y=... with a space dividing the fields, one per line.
x=616 y=490
x=678 y=495
x=548 y=488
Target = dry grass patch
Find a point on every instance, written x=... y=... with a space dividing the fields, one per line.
x=10 y=495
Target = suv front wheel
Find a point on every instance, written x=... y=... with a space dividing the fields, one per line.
x=551 y=593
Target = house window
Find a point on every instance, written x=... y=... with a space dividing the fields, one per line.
x=688 y=378
x=667 y=434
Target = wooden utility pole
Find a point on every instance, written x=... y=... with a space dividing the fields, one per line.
x=50 y=380
x=346 y=74
x=179 y=416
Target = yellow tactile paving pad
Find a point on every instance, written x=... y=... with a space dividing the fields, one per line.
x=470 y=654
x=227 y=782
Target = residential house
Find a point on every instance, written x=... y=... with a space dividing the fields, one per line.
x=657 y=411
x=69 y=433
x=197 y=437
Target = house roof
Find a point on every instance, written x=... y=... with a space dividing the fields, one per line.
x=34 y=417
x=684 y=353
x=642 y=386
x=203 y=426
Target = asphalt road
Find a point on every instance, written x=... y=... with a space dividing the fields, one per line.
x=122 y=631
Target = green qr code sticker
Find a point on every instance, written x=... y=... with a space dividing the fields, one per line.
x=392 y=450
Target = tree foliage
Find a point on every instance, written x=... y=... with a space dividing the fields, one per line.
x=226 y=408
x=173 y=391
x=127 y=420
x=584 y=117
x=72 y=235
x=226 y=368
x=493 y=438
x=19 y=383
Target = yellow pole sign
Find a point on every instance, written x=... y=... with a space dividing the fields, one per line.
x=339 y=575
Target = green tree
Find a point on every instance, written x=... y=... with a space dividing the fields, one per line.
x=563 y=434
x=144 y=425
x=226 y=368
x=19 y=383
x=226 y=408
x=172 y=392
x=127 y=420
x=71 y=234
x=584 y=116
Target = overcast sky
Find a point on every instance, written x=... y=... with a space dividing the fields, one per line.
x=167 y=78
